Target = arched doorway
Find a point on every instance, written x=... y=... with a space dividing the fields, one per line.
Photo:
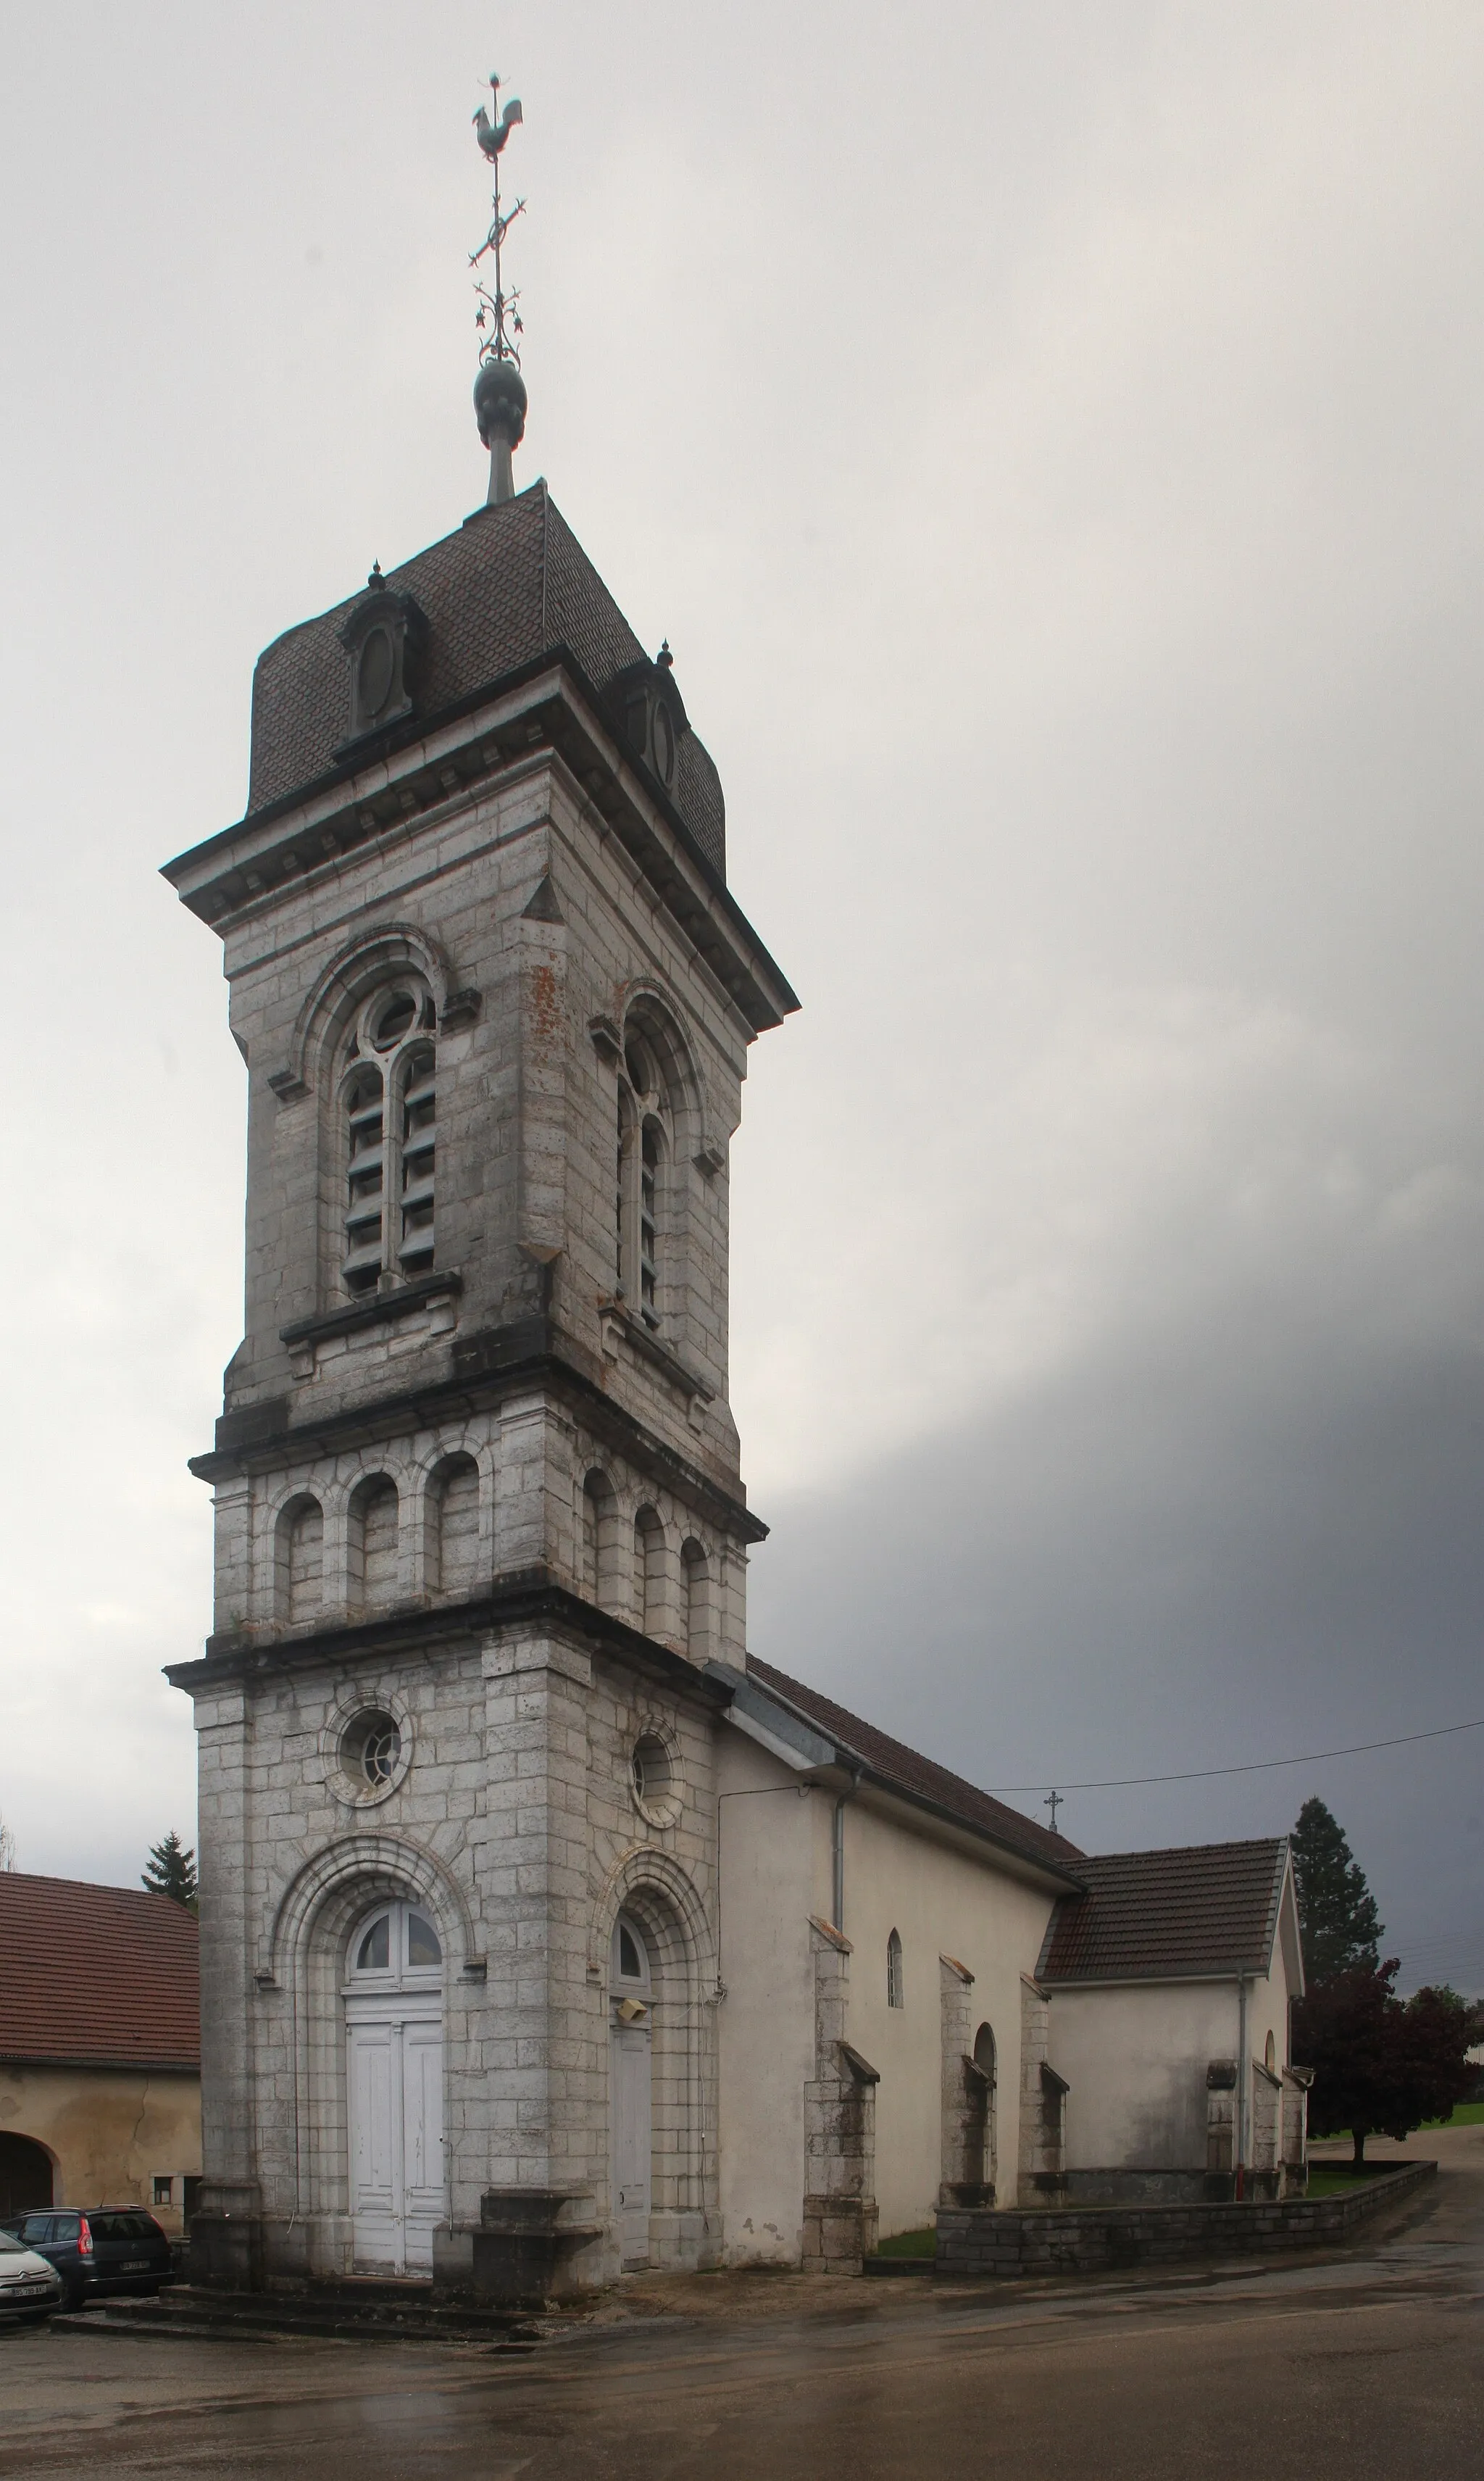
x=631 y=2020
x=394 y=2087
x=25 y=2176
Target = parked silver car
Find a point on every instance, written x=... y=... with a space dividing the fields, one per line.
x=29 y=2287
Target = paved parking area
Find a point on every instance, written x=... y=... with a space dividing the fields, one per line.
x=1366 y=2365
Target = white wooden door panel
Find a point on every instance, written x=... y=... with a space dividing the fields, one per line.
x=422 y=2086
x=632 y=2139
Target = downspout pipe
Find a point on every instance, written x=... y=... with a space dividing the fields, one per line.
x=1242 y=2079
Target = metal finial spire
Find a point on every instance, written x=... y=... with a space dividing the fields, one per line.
x=499 y=390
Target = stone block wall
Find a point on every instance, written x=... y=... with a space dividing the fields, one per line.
x=1099 y=2239
x=840 y=2208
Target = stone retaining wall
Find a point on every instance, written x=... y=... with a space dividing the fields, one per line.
x=1096 y=2239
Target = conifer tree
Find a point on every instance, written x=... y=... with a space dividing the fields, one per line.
x=171 y=1870
x=1338 y=1921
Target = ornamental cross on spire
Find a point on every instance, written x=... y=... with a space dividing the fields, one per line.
x=496 y=317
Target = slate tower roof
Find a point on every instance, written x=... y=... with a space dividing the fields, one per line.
x=512 y=587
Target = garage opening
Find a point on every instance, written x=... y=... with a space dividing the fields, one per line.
x=25 y=2176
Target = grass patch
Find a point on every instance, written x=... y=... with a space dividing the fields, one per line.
x=909 y=2244
x=1338 y=2178
x=1466 y=2114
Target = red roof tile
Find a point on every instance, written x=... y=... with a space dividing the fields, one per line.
x=894 y=1764
x=1198 y=1908
x=103 y=1976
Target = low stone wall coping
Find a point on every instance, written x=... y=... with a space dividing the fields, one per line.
x=1092 y=2239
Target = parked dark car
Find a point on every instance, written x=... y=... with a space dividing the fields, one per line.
x=98 y=2249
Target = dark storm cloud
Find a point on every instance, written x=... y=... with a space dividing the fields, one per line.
x=1216 y=1540
x=1051 y=440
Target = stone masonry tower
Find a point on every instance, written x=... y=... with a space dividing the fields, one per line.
x=480 y=1529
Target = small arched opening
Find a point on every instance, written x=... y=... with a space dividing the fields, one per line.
x=372 y=1549
x=651 y=1598
x=696 y=1571
x=453 y=1530
x=299 y=1561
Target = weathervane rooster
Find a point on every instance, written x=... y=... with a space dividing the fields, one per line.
x=494 y=133
x=496 y=318
x=499 y=390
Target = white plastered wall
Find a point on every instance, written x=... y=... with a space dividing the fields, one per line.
x=774 y=1859
x=941 y=1900
x=1134 y=2057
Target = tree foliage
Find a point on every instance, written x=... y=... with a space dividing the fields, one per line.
x=171 y=1870
x=1338 y=1921
x=1381 y=2065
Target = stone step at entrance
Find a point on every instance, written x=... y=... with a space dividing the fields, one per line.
x=355 y=2306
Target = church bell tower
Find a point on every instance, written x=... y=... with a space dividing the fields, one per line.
x=481 y=1534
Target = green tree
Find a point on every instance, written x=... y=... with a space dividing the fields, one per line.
x=171 y=1870
x=1381 y=2065
x=1338 y=1921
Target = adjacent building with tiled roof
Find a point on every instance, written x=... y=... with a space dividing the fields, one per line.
x=99 y=2047
x=97 y=1976
x=1186 y=1912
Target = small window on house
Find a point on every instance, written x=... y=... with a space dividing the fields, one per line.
x=164 y=2188
x=389 y=1099
x=894 y=1997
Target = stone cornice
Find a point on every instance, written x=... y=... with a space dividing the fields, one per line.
x=487 y=1365
x=532 y=1596
x=544 y=708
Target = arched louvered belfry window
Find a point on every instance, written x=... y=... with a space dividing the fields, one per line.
x=645 y=1150
x=894 y=1989
x=389 y=1105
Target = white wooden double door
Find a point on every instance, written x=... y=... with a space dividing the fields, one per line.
x=395 y=2086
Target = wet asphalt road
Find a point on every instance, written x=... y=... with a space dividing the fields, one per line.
x=1368 y=2364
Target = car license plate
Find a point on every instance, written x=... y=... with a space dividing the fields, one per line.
x=28 y=2291
x=135 y=2265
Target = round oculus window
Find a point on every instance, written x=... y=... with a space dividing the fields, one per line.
x=370 y=1747
x=652 y=1778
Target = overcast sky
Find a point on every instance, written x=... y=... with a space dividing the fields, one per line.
x=1051 y=440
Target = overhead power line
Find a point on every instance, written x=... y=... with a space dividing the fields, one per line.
x=1256 y=1766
